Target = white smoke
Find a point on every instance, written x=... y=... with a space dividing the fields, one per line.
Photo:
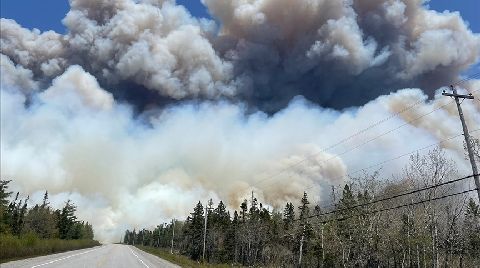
x=160 y=47
x=265 y=51
x=63 y=129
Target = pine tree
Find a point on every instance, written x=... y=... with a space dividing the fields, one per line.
x=304 y=209
x=305 y=229
x=472 y=228
x=244 y=208
x=195 y=232
x=18 y=215
x=45 y=202
x=231 y=239
x=67 y=220
x=4 y=194
x=288 y=216
x=4 y=216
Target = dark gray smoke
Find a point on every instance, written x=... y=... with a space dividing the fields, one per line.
x=340 y=53
x=335 y=53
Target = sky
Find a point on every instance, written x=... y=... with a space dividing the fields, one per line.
x=47 y=15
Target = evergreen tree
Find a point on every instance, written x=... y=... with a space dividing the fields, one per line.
x=231 y=239
x=304 y=209
x=4 y=216
x=45 y=202
x=4 y=194
x=67 y=220
x=288 y=216
x=472 y=228
x=304 y=232
x=195 y=232
x=17 y=212
x=244 y=208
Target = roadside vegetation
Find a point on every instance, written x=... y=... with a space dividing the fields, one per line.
x=178 y=259
x=39 y=230
x=429 y=228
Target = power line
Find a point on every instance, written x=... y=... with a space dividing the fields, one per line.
x=366 y=142
x=393 y=197
x=468 y=145
x=466 y=79
x=402 y=194
x=390 y=198
x=342 y=140
x=388 y=132
x=363 y=131
x=358 y=133
x=396 y=157
x=387 y=161
x=357 y=146
x=397 y=207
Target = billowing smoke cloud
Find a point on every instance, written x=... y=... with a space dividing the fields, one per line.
x=331 y=51
x=159 y=47
x=264 y=52
x=224 y=109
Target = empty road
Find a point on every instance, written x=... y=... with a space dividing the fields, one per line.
x=107 y=256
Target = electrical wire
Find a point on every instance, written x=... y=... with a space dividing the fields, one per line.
x=397 y=207
x=366 y=129
x=397 y=157
x=393 y=197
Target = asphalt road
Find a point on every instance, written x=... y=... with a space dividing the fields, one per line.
x=107 y=256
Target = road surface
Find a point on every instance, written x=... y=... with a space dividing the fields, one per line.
x=107 y=256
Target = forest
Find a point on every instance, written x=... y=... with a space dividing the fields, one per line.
x=427 y=216
x=29 y=231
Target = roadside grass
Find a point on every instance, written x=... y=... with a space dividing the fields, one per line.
x=180 y=260
x=27 y=246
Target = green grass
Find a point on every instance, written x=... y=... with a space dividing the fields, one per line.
x=181 y=260
x=14 y=248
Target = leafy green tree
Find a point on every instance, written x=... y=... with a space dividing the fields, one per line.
x=41 y=220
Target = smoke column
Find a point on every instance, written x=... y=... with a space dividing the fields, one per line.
x=140 y=110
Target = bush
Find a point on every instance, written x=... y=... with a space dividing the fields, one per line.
x=29 y=245
x=180 y=260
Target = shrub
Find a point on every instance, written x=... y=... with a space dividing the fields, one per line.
x=29 y=245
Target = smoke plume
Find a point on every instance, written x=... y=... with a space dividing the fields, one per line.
x=140 y=110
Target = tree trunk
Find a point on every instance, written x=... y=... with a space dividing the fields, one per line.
x=418 y=257
x=424 y=257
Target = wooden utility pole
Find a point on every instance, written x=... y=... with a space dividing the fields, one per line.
x=173 y=235
x=205 y=232
x=471 y=156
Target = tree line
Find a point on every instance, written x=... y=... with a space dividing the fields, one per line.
x=42 y=221
x=347 y=233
